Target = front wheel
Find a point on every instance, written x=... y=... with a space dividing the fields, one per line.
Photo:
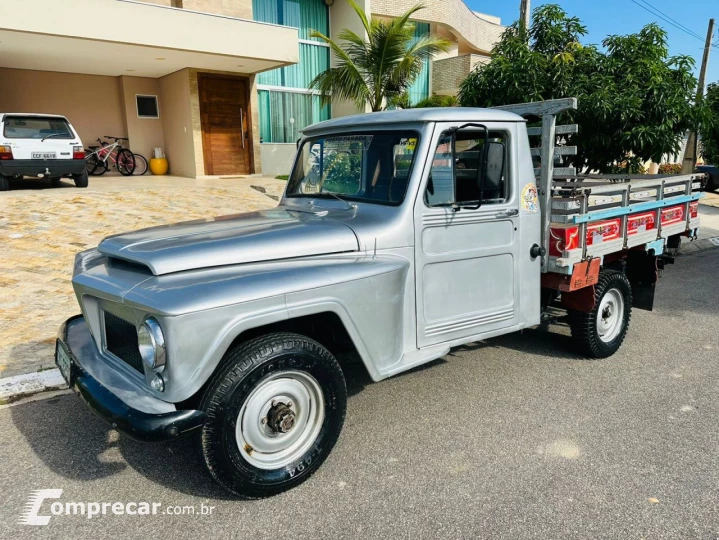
x=125 y=162
x=600 y=332
x=274 y=412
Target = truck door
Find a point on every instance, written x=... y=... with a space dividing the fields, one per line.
x=466 y=235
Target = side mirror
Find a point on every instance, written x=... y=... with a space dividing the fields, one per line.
x=491 y=171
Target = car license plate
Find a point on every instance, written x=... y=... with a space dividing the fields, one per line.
x=44 y=155
x=63 y=362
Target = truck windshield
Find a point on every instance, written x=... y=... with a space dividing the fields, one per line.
x=371 y=167
x=36 y=127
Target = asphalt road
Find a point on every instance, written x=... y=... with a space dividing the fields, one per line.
x=516 y=438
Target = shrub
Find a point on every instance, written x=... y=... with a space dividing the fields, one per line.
x=670 y=168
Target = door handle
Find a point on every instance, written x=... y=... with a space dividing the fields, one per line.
x=507 y=213
x=242 y=128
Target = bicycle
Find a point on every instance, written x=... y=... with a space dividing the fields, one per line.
x=97 y=158
x=140 y=165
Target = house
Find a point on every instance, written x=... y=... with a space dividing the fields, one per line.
x=220 y=85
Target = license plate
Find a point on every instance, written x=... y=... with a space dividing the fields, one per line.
x=63 y=362
x=44 y=155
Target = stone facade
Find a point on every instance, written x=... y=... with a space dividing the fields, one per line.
x=480 y=33
x=448 y=73
x=242 y=9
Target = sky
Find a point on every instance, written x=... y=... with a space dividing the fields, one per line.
x=605 y=17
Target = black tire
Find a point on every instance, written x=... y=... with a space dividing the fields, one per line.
x=585 y=326
x=95 y=166
x=4 y=183
x=247 y=368
x=81 y=180
x=140 y=165
x=125 y=162
x=91 y=162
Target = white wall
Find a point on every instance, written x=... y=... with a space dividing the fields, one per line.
x=343 y=16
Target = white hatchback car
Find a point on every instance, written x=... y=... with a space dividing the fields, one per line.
x=40 y=145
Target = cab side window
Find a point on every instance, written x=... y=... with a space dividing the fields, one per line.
x=459 y=165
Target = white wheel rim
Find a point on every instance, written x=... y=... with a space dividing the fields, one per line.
x=268 y=448
x=610 y=316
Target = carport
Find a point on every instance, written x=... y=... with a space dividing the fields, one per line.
x=164 y=77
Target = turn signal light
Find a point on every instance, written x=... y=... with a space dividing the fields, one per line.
x=78 y=152
x=5 y=152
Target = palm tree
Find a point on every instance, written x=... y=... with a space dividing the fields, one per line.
x=382 y=67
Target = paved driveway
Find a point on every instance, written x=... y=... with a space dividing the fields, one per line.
x=42 y=229
x=513 y=438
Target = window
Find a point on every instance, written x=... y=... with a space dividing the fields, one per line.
x=459 y=164
x=286 y=105
x=372 y=167
x=36 y=127
x=284 y=114
x=419 y=89
x=147 y=106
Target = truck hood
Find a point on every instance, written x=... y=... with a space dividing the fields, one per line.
x=243 y=238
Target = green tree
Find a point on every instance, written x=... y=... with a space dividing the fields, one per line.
x=380 y=68
x=635 y=101
x=710 y=128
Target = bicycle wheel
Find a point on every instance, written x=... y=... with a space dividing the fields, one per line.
x=125 y=162
x=93 y=164
x=140 y=165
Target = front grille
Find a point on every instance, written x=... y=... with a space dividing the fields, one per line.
x=121 y=340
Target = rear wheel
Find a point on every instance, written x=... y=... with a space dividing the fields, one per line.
x=81 y=180
x=140 y=165
x=600 y=332
x=274 y=412
x=125 y=162
x=4 y=183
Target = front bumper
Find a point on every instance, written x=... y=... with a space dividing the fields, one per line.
x=106 y=402
x=37 y=167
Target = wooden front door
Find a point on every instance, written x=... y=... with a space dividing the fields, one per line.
x=224 y=113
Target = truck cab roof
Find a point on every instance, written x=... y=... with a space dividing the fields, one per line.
x=435 y=114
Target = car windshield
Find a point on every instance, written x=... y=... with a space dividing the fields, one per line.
x=34 y=127
x=372 y=167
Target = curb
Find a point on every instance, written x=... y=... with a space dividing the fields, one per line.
x=21 y=386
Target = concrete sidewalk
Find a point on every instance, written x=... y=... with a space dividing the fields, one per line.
x=41 y=230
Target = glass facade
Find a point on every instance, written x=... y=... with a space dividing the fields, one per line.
x=420 y=87
x=283 y=113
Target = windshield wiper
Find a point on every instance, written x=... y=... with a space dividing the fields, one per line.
x=350 y=206
x=52 y=135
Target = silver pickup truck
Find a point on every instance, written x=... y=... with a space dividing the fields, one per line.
x=400 y=234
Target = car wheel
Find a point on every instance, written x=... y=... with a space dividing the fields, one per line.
x=274 y=411
x=4 y=183
x=600 y=333
x=81 y=180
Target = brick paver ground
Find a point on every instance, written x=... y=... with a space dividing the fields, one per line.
x=42 y=229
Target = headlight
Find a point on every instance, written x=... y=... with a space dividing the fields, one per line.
x=151 y=343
